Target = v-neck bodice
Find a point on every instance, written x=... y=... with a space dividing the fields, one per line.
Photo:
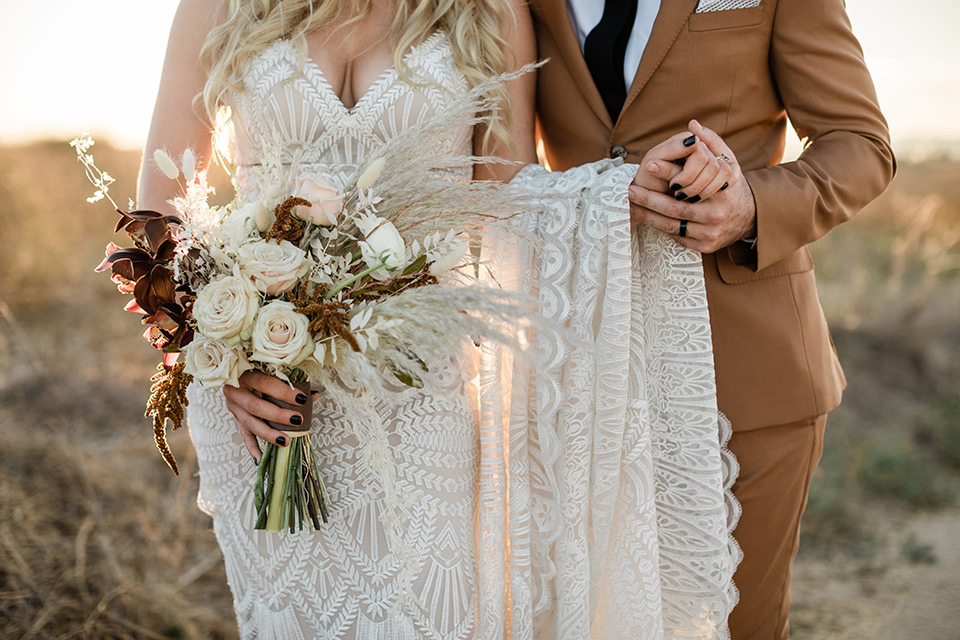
x=294 y=110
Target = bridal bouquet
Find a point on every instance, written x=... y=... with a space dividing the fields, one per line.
x=314 y=284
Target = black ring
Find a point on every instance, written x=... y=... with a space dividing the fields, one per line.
x=683 y=229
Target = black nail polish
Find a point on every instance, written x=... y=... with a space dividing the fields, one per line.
x=688 y=142
x=281 y=440
x=296 y=420
x=680 y=195
x=676 y=187
x=301 y=399
x=725 y=185
x=255 y=461
x=694 y=200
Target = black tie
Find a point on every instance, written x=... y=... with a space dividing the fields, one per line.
x=604 y=50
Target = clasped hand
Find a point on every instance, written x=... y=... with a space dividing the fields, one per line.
x=691 y=187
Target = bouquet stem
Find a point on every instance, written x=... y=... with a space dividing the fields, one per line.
x=289 y=492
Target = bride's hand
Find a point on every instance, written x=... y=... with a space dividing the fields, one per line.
x=692 y=166
x=250 y=409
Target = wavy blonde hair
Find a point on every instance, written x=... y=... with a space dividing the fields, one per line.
x=473 y=28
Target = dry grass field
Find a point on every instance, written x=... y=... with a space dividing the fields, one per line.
x=99 y=540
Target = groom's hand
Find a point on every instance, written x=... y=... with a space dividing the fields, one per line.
x=726 y=215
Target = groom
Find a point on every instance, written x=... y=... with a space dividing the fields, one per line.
x=625 y=75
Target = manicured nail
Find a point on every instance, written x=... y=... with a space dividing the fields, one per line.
x=725 y=185
x=282 y=441
x=314 y=393
x=688 y=142
x=676 y=187
x=301 y=399
x=653 y=167
x=680 y=195
x=694 y=200
x=296 y=420
x=255 y=460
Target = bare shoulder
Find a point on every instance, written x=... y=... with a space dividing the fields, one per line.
x=195 y=18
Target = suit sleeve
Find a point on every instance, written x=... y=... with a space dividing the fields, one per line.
x=819 y=70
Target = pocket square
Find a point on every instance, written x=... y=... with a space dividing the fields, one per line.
x=707 y=6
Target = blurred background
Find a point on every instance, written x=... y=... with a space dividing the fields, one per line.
x=99 y=540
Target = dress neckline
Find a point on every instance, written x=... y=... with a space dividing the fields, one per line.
x=311 y=67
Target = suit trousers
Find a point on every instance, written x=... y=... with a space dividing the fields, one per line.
x=776 y=465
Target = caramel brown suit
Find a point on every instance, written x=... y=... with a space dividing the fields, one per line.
x=741 y=72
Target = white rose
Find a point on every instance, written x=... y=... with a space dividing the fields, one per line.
x=324 y=198
x=450 y=260
x=383 y=247
x=225 y=308
x=215 y=363
x=273 y=267
x=281 y=335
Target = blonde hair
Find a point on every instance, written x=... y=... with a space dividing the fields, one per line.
x=473 y=28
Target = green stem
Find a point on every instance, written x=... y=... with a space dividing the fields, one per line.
x=281 y=467
x=352 y=279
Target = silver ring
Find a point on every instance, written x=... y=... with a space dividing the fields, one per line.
x=683 y=229
x=723 y=158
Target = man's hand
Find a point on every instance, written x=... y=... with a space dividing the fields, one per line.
x=695 y=209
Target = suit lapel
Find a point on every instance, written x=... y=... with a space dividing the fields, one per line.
x=558 y=22
x=670 y=20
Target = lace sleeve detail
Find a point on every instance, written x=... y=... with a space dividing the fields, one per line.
x=605 y=502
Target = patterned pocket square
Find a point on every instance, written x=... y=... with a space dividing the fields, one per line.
x=706 y=6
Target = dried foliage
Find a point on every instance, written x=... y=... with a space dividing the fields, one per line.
x=286 y=226
x=168 y=399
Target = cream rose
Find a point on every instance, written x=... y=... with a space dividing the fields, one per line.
x=225 y=308
x=274 y=268
x=281 y=335
x=324 y=198
x=215 y=363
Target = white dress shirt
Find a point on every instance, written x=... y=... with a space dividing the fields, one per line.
x=586 y=14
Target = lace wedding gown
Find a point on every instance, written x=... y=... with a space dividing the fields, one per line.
x=581 y=497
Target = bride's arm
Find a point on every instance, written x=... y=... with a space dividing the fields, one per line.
x=521 y=49
x=177 y=124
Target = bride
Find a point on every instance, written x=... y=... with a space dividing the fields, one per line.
x=583 y=497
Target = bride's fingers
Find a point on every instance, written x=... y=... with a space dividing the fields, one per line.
x=243 y=398
x=662 y=172
x=721 y=182
x=251 y=443
x=273 y=387
x=252 y=428
x=699 y=169
x=709 y=181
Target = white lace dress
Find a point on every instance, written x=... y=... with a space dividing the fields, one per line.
x=583 y=497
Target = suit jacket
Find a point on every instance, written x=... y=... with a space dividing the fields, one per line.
x=741 y=72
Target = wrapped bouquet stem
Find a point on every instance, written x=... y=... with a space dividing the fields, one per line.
x=289 y=490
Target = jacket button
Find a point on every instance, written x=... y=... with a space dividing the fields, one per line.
x=618 y=151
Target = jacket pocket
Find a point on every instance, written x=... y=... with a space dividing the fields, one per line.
x=731 y=273
x=729 y=19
